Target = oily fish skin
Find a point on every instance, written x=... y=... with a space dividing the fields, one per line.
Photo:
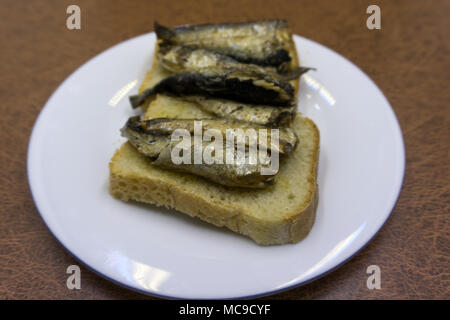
x=177 y=58
x=166 y=126
x=256 y=114
x=203 y=68
x=153 y=139
x=232 y=84
x=260 y=42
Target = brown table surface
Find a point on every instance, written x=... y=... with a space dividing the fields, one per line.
x=408 y=59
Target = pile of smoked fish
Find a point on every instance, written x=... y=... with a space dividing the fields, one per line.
x=237 y=72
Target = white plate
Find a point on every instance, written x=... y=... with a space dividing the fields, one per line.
x=167 y=254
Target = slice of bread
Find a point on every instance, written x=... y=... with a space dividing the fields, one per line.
x=279 y=214
x=282 y=213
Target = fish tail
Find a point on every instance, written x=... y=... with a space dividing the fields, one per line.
x=163 y=32
x=284 y=119
x=138 y=99
x=297 y=72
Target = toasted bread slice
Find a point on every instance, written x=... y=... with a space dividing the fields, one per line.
x=282 y=213
x=279 y=214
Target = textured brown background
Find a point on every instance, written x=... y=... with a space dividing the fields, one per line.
x=408 y=58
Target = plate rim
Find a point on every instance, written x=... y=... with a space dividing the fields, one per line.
x=32 y=137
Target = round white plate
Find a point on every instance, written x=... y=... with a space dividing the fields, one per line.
x=168 y=254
